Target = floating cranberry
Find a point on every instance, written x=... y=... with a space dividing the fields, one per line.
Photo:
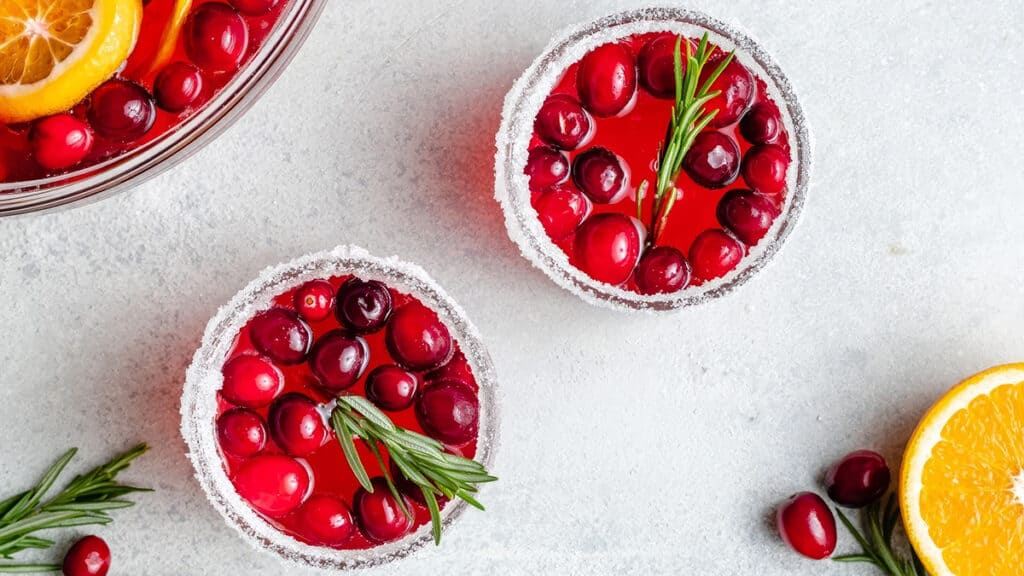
x=281 y=335
x=392 y=388
x=59 y=142
x=363 y=307
x=178 y=86
x=449 y=411
x=296 y=424
x=241 y=432
x=456 y=369
x=807 y=525
x=325 y=521
x=417 y=339
x=736 y=85
x=122 y=110
x=607 y=247
x=314 y=300
x=251 y=381
x=546 y=167
x=662 y=270
x=657 y=63
x=764 y=168
x=606 y=80
x=90 y=556
x=273 y=484
x=563 y=123
x=338 y=360
x=254 y=7
x=713 y=161
x=859 y=479
x=601 y=175
x=561 y=211
x=714 y=254
x=216 y=37
x=379 y=515
x=762 y=124
x=747 y=215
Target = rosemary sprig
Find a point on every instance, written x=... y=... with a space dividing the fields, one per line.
x=422 y=460
x=86 y=501
x=876 y=540
x=689 y=118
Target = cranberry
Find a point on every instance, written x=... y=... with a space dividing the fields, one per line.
x=456 y=369
x=216 y=37
x=546 y=167
x=363 y=307
x=325 y=521
x=747 y=214
x=281 y=335
x=241 y=432
x=563 y=123
x=90 y=556
x=807 y=525
x=713 y=161
x=714 y=254
x=254 y=7
x=601 y=175
x=561 y=211
x=338 y=360
x=379 y=515
x=606 y=80
x=662 y=270
x=607 y=247
x=60 y=142
x=315 y=300
x=122 y=110
x=296 y=424
x=392 y=388
x=251 y=381
x=859 y=479
x=449 y=411
x=762 y=124
x=764 y=168
x=736 y=85
x=273 y=484
x=657 y=64
x=178 y=86
x=417 y=339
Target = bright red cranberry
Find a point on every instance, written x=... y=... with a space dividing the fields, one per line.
x=563 y=123
x=762 y=124
x=859 y=479
x=662 y=270
x=216 y=37
x=363 y=307
x=736 y=85
x=561 y=211
x=241 y=432
x=273 y=484
x=807 y=525
x=392 y=388
x=607 y=247
x=251 y=381
x=546 y=168
x=325 y=521
x=122 y=110
x=59 y=142
x=417 y=339
x=747 y=215
x=314 y=300
x=379 y=516
x=281 y=335
x=178 y=86
x=254 y=7
x=713 y=161
x=601 y=175
x=714 y=254
x=296 y=424
x=338 y=360
x=90 y=556
x=606 y=80
x=449 y=411
x=658 y=65
x=764 y=168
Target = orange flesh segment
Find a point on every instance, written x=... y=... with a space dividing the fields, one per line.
x=35 y=36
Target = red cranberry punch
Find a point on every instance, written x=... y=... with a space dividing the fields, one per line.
x=341 y=411
x=652 y=160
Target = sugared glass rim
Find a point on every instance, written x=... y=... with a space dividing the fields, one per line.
x=128 y=170
x=199 y=401
x=524 y=101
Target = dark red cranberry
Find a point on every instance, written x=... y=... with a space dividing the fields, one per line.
x=563 y=123
x=736 y=85
x=296 y=424
x=747 y=215
x=363 y=307
x=607 y=247
x=714 y=254
x=410 y=489
x=325 y=521
x=251 y=381
x=59 y=142
x=762 y=124
x=241 y=432
x=254 y=7
x=449 y=411
x=273 y=484
x=392 y=388
x=662 y=270
x=281 y=335
x=561 y=211
x=338 y=360
x=713 y=161
x=859 y=479
x=765 y=167
x=658 y=66
x=417 y=339
x=178 y=86
x=90 y=556
x=379 y=515
x=807 y=525
x=546 y=168
x=606 y=80
x=216 y=37
x=314 y=300
x=601 y=175
x=121 y=110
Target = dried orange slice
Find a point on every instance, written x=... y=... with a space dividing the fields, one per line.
x=53 y=53
x=962 y=486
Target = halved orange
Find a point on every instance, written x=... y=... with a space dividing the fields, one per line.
x=53 y=53
x=962 y=485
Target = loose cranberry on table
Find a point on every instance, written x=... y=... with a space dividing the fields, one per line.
x=296 y=424
x=363 y=307
x=122 y=111
x=601 y=175
x=338 y=360
x=563 y=123
x=392 y=388
x=449 y=411
x=90 y=556
x=546 y=168
x=714 y=160
x=251 y=381
x=241 y=432
x=216 y=37
x=417 y=339
x=607 y=247
x=379 y=515
x=281 y=335
x=662 y=270
x=737 y=88
x=747 y=215
x=606 y=81
x=859 y=479
x=274 y=484
x=315 y=300
x=561 y=211
x=60 y=141
x=765 y=167
x=714 y=254
x=807 y=525
x=325 y=521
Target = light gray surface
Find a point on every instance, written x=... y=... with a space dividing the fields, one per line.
x=631 y=445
